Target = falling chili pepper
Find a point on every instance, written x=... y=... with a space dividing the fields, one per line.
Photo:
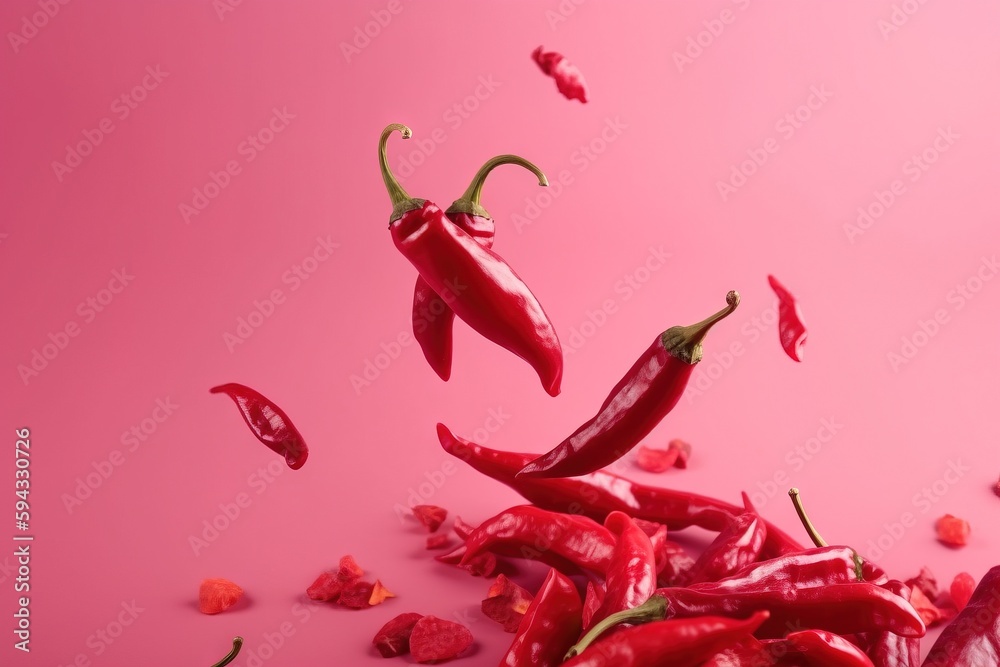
x=550 y=625
x=640 y=400
x=973 y=638
x=568 y=78
x=268 y=423
x=791 y=330
x=235 y=651
x=432 y=316
x=631 y=575
x=601 y=492
x=494 y=300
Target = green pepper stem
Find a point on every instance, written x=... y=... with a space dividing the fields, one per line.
x=469 y=202
x=401 y=201
x=685 y=342
x=653 y=609
x=801 y=511
x=237 y=645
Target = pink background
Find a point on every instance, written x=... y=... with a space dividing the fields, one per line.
x=899 y=426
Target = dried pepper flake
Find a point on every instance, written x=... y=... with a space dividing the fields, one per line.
x=430 y=516
x=393 y=639
x=482 y=565
x=568 y=78
x=326 y=588
x=217 y=595
x=953 y=531
x=349 y=569
x=926 y=582
x=791 y=330
x=655 y=460
x=438 y=541
x=927 y=610
x=962 y=587
x=506 y=603
x=683 y=450
x=379 y=594
x=356 y=595
x=436 y=640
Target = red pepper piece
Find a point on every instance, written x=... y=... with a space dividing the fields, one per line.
x=550 y=537
x=926 y=582
x=393 y=638
x=640 y=400
x=432 y=316
x=431 y=516
x=928 y=611
x=887 y=649
x=326 y=588
x=655 y=460
x=601 y=492
x=631 y=573
x=481 y=565
x=791 y=330
x=550 y=626
x=973 y=638
x=494 y=300
x=996 y=488
x=506 y=603
x=683 y=450
x=438 y=541
x=217 y=595
x=379 y=594
x=356 y=595
x=678 y=643
x=568 y=78
x=436 y=640
x=349 y=569
x=268 y=423
x=953 y=531
x=592 y=602
x=962 y=587
x=737 y=546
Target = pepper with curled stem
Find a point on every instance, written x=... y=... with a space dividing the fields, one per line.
x=229 y=657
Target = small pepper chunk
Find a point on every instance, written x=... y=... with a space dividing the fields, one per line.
x=953 y=531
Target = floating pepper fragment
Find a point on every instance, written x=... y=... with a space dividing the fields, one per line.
x=962 y=587
x=436 y=640
x=953 y=531
x=568 y=78
x=379 y=594
x=929 y=612
x=431 y=516
x=683 y=450
x=506 y=603
x=791 y=330
x=926 y=582
x=655 y=460
x=438 y=541
x=393 y=638
x=217 y=595
x=268 y=423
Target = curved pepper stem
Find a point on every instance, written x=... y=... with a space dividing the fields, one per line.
x=237 y=645
x=685 y=342
x=653 y=609
x=401 y=201
x=469 y=201
x=814 y=535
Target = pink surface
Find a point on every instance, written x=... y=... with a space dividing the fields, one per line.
x=888 y=421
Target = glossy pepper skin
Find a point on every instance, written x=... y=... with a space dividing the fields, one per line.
x=433 y=318
x=268 y=423
x=825 y=649
x=490 y=297
x=973 y=637
x=640 y=400
x=738 y=545
x=599 y=493
x=631 y=577
x=678 y=643
x=550 y=625
x=890 y=650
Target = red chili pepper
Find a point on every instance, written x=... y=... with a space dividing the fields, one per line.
x=493 y=300
x=639 y=401
x=791 y=330
x=601 y=492
x=549 y=627
x=677 y=565
x=631 y=575
x=737 y=546
x=678 y=643
x=568 y=78
x=887 y=649
x=268 y=423
x=550 y=537
x=432 y=316
x=592 y=602
x=973 y=638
